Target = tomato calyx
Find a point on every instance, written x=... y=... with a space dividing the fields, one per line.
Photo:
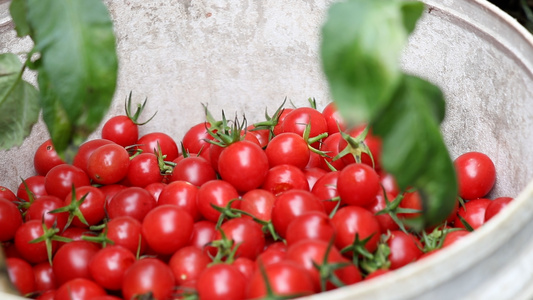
x=358 y=249
x=22 y=204
x=101 y=238
x=226 y=212
x=380 y=258
x=271 y=122
x=226 y=249
x=140 y=108
x=49 y=235
x=73 y=209
x=393 y=209
x=314 y=140
x=327 y=270
x=356 y=146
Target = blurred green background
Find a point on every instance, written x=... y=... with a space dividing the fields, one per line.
x=522 y=10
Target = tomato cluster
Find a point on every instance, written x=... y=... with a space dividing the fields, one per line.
x=293 y=205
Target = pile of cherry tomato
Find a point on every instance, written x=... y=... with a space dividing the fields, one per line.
x=285 y=207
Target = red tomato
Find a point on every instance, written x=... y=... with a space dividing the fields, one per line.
x=291 y=204
x=358 y=184
x=92 y=207
x=21 y=275
x=272 y=255
x=135 y=202
x=32 y=252
x=155 y=189
x=108 y=164
x=40 y=208
x=148 y=275
x=297 y=120
x=283 y=178
x=288 y=148
x=244 y=165
x=107 y=266
x=221 y=281
x=195 y=139
x=262 y=135
x=385 y=220
x=8 y=194
x=286 y=278
x=218 y=193
x=333 y=118
x=167 y=228
x=352 y=221
x=404 y=249
x=126 y=231
x=246 y=266
x=453 y=237
x=388 y=182
x=86 y=149
x=476 y=175
x=496 y=206
x=10 y=220
x=144 y=170
x=313 y=175
x=150 y=142
x=203 y=232
x=121 y=130
x=325 y=189
x=72 y=260
x=193 y=169
x=45 y=158
x=182 y=194
x=313 y=225
x=79 y=289
x=258 y=203
x=373 y=143
x=60 y=180
x=473 y=213
x=330 y=146
x=44 y=277
x=187 y=263
x=246 y=233
x=36 y=186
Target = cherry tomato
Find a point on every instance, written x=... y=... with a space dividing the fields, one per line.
x=182 y=194
x=10 y=220
x=313 y=175
x=496 y=206
x=187 y=263
x=72 y=260
x=35 y=184
x=330 y=147
x=144 y=170
x=121 y=130
x=32 y=252
x=92 y=207
x=258 y=203
x=313 y=225
x=358 y=184
x=473 y=213
x=385 y=220
x=108 y=164
x=193 y=169
x=288 y=148
x=333 y=118
x=297 y=120
x=79 y=289
x=86 y=149
x=203 y=232
x=155 y=189
x=325 y=189
x=40 y=208
x=7 y=194
x=167 y=228
x=246 y=266
x=135 y=202
x=107 y=266
x=44 y=277
x=283 y=178
x=45 y=158
x=150 y=142
x=148 y=275
x=404 y=249
x=218 y=193
x=354 y=221
x=195 y=139
x=246 y=233
x=21 y=275
x=373 y=143
x=476 y=175
x=221 y=281
x=126 y=231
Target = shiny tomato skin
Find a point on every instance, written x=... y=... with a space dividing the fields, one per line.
x=313 y=175
x=148 y=275
x=149 y=142
x=288 y=148
x=258 y=203
x=21 y=275
x=193 y=169
x=108 y=265
x=195 y=139
x=126 y=231
x=453 y=237
x=473 y=213
x=40 y=208
x=183 y=194
x=121 y=130
x=60 y=179
x=44 y=277
x=358 y=184
x=187 y=263
x=244 y=165
x=325 y=189
x=79 y=289
x=203 y=232
x=496 y=206
x=285 y=278
x=32 y=252
x=85 y=151
x=135 y=202
x=352 y=221
x=283 y=178
x=404 y=249
x=10 y=220
x=313 y=225
x=330 y=146
x=333 y=118
x=6 y=193
x=144 y=170
x=108 y=164
x=35 y=184
x=167 y=228
x=246 y=233
x=218 y=193
x=221 y=281
x=45 y=158
x=72 y=260
x=476 y=175
x=155 y=189
x=297 y=120
x=385 y=220
x=92 y=207
x=291 y=204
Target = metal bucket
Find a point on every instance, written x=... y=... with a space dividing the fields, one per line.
x=245 y=56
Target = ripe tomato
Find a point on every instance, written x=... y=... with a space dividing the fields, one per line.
x=283 y=178
x=60 y=180
x=148 y=275
x=167 y=228
x=72 y=260
x=358 y=184
x=85 y=151
x=21 y=275
x=182 y=194
x=40 y=208
x=121 y=130
x=291 y=204
x=258 y=203
x=476 y=175
x=297 y=120
x=373 y=143
x=244 y=165
x=193 y=169
x=35 y=184
x=288 y=148
x=333 y=118
x=313 y=225
x=79 y=289
x=44 y=277
x=135 y=202
x=150 y=142
x=496 y=206
x=385 y=220
x=144 y=170
x=45 y=158
x=126 y=231
x=92 y=207
x=325 y=189
x=195 y=139
x=404 y=249
x=473 y=213
x=187 y=263
x=221 y=281
x=155 y=189
x=245 y=233
x=203 y=232
x=32 y=252
x=453 y=237
x=218 y=193
x=10 y=220
x=107 y=266
x=7 y=194
x=330 y=146
x=108 y=164
x=286 y=278
x=313 y=175
x=354 y=221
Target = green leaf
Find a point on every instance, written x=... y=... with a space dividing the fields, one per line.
x=361 y=44
x=77 y=69
x=413 y=147
x=19 y=103
x=18 y=11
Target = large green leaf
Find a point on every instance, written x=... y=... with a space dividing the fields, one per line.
x=413 y=147
x=18 y=10
x=361 y=45
x=77 y=68
x=19 y=103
